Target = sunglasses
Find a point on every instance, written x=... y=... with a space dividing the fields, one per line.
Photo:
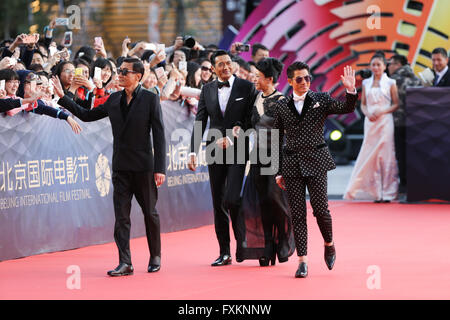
x=124 y=72
x=300 y=79
x=206 y=69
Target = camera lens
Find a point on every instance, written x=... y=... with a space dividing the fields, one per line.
x=189 y=41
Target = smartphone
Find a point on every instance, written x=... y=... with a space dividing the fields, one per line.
x=182 y=66
x=160 y=47
x=33 y=85
x=98 y=73
x=61 y=21
x=243 y=47
x=50 y=87
x=64 y=55
x=160 y=72
x=78 y=71
x=98 y=41
x=2 y=84
x=67 y=39
x=52 y=50
x=150 y=46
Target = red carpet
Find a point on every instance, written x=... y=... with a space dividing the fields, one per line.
x=408 y=244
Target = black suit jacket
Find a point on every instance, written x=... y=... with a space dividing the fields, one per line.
x=445 y=80
x=306 y=153
x=132 y=142
x=237 y=113
x=9 y=104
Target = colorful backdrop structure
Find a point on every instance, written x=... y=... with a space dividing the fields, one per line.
x=329 y=34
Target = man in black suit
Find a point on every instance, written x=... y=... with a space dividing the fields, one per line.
x=133 y=113
x=227 y=102
x=306 y=159
x=439 y=58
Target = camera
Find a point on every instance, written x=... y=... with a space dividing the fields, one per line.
x=243 y=47
x=365 y=73
x=189 y=41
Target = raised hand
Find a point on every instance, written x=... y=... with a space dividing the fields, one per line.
x=57 y=87
x=81 y=81
x=125 y=44
x=74 y=125
x=348 y=79
x=178 y=43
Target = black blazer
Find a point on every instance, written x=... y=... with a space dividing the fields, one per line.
x=237 y=113
x=306 y=153
x=132 y=142
x=445 y=80
x=9 y=104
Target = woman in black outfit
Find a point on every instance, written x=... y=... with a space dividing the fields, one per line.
x=264 y=206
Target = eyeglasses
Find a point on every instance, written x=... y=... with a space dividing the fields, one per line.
x=300 y=79
x=68 y=71
x=31 y=77
x=124 y=72
x=206 y=69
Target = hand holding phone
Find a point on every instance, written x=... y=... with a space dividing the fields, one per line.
x=97 y=73
x=182 y=66
x=160 y=72
x=243 y=47
x=78 y=72
x=98 y=41
x=33 y=85
x=61 y=22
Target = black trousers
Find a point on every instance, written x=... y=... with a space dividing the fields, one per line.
x=226 y=184
x=142 y=185
x=296 y=190
x=400 y=154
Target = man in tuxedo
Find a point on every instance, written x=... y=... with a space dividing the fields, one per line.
x=133 y=113
x=227 y=102
x=439 y=58
x=305 y=160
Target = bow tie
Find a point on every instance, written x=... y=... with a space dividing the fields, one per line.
x=223 y=84
x=301 y=98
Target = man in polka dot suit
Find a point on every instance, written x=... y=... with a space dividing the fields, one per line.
x=305 y=159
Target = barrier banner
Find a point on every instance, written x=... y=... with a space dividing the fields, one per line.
x=56 y=191
x=428 y=144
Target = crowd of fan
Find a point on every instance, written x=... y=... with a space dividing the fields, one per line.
x=89 y=75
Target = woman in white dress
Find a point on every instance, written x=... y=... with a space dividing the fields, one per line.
x=375 y=175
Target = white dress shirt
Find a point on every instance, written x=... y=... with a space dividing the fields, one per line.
x=224 y=94
x=299 y=101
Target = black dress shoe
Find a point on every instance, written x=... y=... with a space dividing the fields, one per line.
x=223 y=260
x=154 y=264
x=302 y=270
x=122 y=269
x=263 y=261
x=330 y=256
x=154 y=268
